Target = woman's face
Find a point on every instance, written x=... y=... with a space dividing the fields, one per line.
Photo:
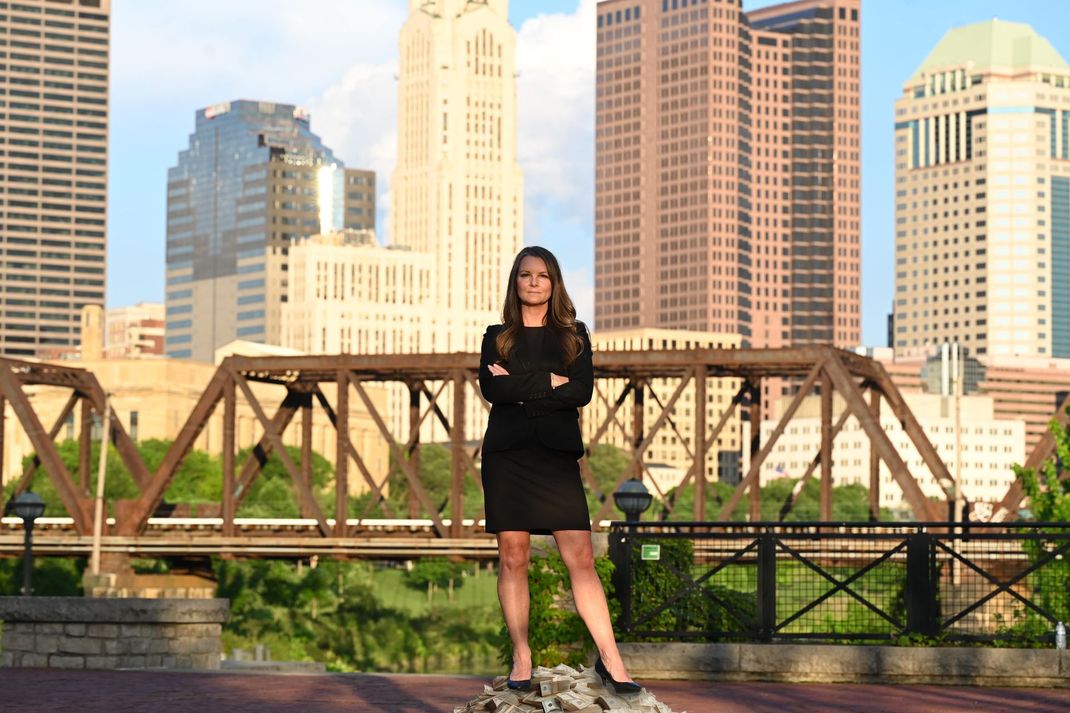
x=533 y=282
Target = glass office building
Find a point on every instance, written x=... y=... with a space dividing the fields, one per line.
x=253 y=179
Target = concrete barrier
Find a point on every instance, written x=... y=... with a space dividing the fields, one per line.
x=831 y=663
x=75 y=632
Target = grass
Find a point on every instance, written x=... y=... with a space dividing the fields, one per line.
x=474 y=590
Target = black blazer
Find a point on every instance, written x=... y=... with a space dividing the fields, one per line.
x=524 y=403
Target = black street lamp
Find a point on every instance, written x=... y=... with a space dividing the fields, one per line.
x=29 y=506
x=633 y=498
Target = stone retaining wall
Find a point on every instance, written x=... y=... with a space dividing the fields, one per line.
x=829 y=663
x=74 y=632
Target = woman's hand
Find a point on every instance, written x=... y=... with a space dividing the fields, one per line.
x=556 y=380
x=498 y=370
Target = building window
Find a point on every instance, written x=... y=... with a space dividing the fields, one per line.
x=133 y=425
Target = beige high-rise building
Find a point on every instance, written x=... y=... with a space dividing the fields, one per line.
x=982 y=453
x=53 y=179
x=347 y=294
x=727 y=193
x=982 y=163
x=666 y=461
x=457 y=189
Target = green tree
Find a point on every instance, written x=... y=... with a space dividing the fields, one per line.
x=432 y=573
x=1049 y=500
x=272 y=493
x=333 y=613
x=52 y=576
x=436 y=477
x=199 y=479
x=849 y=502
x=117 y=480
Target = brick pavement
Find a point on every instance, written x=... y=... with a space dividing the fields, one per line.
x=41 y=691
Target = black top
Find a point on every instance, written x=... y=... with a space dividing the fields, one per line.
x=525 y=407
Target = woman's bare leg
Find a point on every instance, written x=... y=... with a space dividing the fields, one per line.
x=578 y=554
x=514 y=554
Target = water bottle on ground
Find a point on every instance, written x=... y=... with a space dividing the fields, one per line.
x=1060 y=636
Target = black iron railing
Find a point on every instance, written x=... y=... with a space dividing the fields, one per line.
x=1006 y=583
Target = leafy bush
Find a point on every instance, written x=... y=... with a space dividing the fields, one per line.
x=1049 y=500
x=659 y=601
x=556 y=632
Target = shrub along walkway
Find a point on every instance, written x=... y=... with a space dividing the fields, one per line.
x=33 y=691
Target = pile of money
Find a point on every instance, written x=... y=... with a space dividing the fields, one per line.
x=561 y=689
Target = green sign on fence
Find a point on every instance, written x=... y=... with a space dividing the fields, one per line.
x=650 y=552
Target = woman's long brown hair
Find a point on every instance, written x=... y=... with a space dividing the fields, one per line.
x=560 y=313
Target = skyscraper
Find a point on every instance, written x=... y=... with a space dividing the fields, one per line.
x=727 y=169
x=253 y=179
x=982 y=165
x=457 y=189
x=53 y=176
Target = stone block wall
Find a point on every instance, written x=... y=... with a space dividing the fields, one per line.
x=72 y=632
x=832 y=663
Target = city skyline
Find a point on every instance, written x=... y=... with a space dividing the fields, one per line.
x=159 y=78
x=728 y=170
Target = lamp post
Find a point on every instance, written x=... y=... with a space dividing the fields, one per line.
x=633 y=499
x=29 y=506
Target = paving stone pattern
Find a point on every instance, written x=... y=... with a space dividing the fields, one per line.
x=37 y=690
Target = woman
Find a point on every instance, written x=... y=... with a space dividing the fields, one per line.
x=535 y=369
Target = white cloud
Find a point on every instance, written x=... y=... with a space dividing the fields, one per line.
x=555 y=93
x=246 y=48
x=357 y=118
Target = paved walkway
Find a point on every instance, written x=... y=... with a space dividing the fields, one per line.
x=34 y=691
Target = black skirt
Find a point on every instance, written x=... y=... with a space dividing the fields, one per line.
x=534 y=489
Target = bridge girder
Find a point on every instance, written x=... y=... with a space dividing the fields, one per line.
x=824 y=369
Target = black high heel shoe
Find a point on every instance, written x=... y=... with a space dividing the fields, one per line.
x=519 y=685
x=619 y=687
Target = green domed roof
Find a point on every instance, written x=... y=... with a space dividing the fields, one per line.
x=994 y=43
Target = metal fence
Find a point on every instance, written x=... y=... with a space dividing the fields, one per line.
x=951 y=582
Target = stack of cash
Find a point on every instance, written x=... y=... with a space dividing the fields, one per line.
x=561 y=689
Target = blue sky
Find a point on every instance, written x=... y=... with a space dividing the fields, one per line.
x=170 y=59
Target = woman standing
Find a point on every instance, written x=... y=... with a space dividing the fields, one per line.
x=535 y=368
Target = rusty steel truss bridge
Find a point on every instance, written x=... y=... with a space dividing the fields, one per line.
x=620 y=376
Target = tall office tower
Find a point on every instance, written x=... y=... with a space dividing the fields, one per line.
x=457 y=189
x=253 y=179
x=982 y=165
x=727 y=169
x=53 y=174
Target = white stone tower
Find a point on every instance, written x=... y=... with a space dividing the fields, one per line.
x=457 y=191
